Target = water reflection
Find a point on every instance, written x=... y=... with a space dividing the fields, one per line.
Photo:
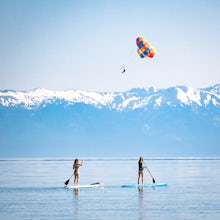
x=76 y=205
x=141 y=189
x=77 y=191
x=141 y=202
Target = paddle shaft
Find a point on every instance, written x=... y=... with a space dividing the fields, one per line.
x=150 y=173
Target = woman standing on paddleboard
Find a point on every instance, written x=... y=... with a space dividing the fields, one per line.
x=76 y=166
x=141 y=167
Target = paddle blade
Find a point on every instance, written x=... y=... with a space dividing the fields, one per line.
x=154 y=180
x=66 y=183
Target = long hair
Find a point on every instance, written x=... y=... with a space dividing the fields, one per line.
x=141 y=159
x=76 y=161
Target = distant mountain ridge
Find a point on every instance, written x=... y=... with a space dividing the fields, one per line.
x=119 y=101
x=177 y=121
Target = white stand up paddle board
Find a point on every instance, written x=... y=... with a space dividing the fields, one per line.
x=93 y=185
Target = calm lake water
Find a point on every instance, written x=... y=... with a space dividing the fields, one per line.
x=33 y=189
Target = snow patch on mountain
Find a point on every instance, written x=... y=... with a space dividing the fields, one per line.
x=158 y=101
x=189 y=95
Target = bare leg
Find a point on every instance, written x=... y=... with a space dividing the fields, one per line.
x=77 y=178
x=139 y=177
x=142 y=176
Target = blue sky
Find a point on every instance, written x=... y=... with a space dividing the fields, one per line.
x=83 y=44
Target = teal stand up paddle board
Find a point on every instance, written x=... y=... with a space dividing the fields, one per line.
x=145 y=185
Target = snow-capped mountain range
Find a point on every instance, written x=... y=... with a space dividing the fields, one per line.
x=119 y=101
x=177 y=121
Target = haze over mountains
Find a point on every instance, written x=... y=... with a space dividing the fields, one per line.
x=177 y=121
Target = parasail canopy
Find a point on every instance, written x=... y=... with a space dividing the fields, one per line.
x=144 y=48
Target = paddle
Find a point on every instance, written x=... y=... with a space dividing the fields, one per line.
x=66 y=183
x=150 y=173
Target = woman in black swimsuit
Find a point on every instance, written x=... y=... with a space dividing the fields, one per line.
x=141 y=167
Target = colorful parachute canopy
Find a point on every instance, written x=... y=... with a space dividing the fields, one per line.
x=144 y=48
